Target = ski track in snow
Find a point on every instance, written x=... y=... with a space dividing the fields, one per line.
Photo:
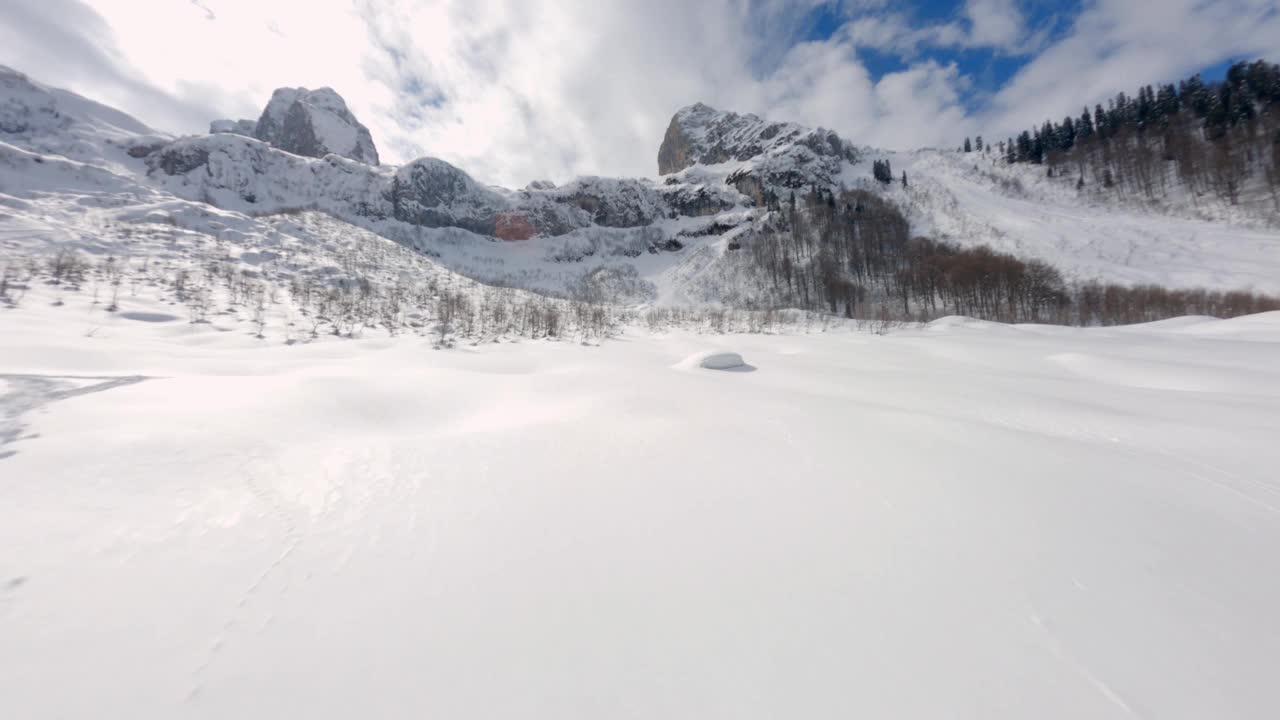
x=1054 y=647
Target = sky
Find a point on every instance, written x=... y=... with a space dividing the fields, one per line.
x=519 y=90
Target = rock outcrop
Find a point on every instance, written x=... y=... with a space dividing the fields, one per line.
x=432 y=193
x=238 y=127
x=771 y=157
x=314 y=123
x=701 y=135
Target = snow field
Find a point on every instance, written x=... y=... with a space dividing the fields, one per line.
x=1025 y=521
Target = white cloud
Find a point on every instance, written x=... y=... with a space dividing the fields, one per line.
x=508 y=89
x=995 y=23
x=998 y=25
x=1115 y=45
x=515 y=90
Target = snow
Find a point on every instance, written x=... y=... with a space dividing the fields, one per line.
x=52 y=121
x=714 y=360
x=961 y=520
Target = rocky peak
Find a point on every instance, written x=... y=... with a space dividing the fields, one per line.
x=314 y=123
x=701 y=135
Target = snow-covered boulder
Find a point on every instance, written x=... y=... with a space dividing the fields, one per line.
x=714 y=360
x=721 y=361
x=314 y=123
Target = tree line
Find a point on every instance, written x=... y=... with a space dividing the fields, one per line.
x=1216 y=135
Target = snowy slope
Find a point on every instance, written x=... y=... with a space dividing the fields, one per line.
x=51 y=121
x=967 y=520
x=961 y=198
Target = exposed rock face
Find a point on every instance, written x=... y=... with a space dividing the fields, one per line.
x=314 y=123
x=614 y=202
x=702 y=135
x=433 y=193
x=692 y=200
x=676 y=151
x=239 y=127
x=772 y=157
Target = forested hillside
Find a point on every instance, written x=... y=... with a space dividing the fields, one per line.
x=853 y=253
x=1218 y=139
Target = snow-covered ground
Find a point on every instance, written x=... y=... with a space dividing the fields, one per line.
x=961 y=520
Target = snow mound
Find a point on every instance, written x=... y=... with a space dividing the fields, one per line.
x=714 y=360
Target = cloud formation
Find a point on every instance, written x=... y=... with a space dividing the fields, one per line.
x=516 y=90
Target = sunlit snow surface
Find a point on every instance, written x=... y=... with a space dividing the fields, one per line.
x=963 y=520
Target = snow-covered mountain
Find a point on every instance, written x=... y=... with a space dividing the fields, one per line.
x=80 y=168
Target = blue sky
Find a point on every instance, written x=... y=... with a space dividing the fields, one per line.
x=990 y=68
x=518 y=90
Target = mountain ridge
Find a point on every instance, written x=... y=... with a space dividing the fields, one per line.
x=684 y=236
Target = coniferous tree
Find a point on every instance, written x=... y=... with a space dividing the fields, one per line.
x=1067 y=134
x=967 y=147
x=1196 y=96
x=1166 y=103
x=1084 y=128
